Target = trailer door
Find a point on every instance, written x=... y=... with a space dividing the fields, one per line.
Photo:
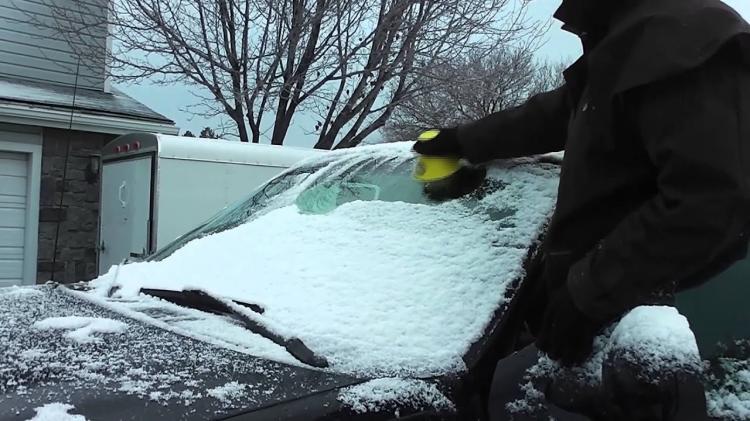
x=125 y=211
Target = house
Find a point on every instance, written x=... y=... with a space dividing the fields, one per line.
x=57 y=110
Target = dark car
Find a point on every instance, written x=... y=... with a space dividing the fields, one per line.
x=339 y=290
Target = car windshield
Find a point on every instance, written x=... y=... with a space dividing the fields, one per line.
x=349 y=255
x=332 y=185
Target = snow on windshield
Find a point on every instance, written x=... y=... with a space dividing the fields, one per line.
x=380 y=288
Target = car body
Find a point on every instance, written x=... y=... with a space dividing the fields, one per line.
x=173 y=361
x=339 y=290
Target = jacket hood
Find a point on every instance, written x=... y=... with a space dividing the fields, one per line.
x=650 y=40
x=587 y=17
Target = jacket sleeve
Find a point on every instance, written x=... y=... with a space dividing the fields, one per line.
x=538 y=126
x=695 y=128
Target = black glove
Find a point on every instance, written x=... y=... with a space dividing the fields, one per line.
x=566 y=335
x=444 y=144
x=464 y=181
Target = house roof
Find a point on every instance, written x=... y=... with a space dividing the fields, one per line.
x=114 y=104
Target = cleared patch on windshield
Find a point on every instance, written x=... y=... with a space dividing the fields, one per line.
x=325 y=197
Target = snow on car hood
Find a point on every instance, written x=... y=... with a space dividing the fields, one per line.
x=377 y=288
x=59 y=349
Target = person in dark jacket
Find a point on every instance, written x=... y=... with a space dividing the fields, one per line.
x=654 y=193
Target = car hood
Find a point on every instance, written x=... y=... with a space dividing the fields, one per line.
x=59 y=348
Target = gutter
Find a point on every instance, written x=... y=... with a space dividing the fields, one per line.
x=34 y=115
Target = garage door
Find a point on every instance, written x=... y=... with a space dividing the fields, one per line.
x=13 y=201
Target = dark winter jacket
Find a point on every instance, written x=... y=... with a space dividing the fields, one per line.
x=655 y=123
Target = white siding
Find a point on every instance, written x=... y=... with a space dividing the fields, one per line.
x=32 y=46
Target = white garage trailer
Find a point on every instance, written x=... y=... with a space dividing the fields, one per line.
x=157 y=187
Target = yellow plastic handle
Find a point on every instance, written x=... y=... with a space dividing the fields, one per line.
x=435 y=168
x=428 y=135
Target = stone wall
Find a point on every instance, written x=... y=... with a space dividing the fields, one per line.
x=78 y=217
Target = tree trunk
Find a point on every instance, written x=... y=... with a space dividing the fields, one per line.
x=242 y=130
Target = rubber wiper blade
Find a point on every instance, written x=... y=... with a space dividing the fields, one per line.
x=201 y=300
x=197 y=299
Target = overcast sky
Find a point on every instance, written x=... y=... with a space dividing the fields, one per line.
x=173 y=100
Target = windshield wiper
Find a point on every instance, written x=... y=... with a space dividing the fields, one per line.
x=201 y=300
x=197 y=299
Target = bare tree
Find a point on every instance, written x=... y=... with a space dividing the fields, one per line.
x=472 y=88
x=350 y=63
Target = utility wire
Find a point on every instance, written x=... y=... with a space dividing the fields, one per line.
x=65 y=172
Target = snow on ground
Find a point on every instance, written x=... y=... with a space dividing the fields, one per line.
x=729 y=395
x=56 y=412
x=382 y=394
x=533 y=401
x=82 y=329
x=17 y=290
x=377 y=288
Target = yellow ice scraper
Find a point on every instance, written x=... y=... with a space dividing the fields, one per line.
x=434 y=168
x=445 y=177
